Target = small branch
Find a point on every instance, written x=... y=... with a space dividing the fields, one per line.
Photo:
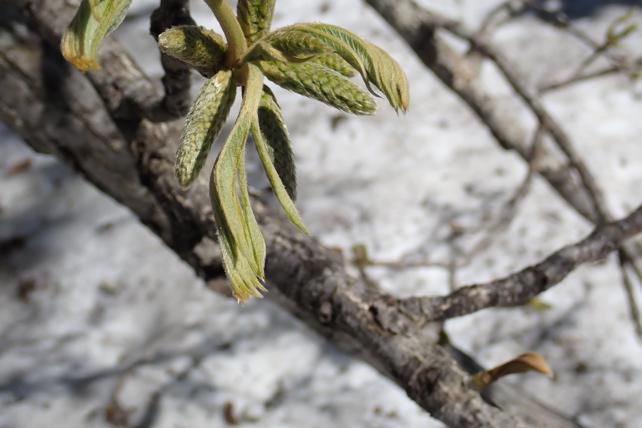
x=519 y=288
x=501 y=14
x=602 y=72
x=558 y=20
x=627 y=283
x=131 y=160
x=419 y=28
x=529 y=97
x=177 y=77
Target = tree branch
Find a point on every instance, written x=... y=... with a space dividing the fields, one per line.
x=577 y=185
x=97 y=125
x=419 y=26
x=131 y=159
x=519 y=288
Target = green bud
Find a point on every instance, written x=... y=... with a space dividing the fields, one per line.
x=196 y=46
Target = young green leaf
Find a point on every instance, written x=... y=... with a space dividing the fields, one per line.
x=195 y=46
x=375 y=65
x=255 y=17
x=235 y=220
x=277 y=185
x=275 y=134
x=318 y=82
x=299 y=44
x=245 y=283
x=252 y=230
x=94 y=20
x=228 y=183
x=334 y=62
x=203 y=124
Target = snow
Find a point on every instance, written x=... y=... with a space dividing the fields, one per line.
x=113 y=313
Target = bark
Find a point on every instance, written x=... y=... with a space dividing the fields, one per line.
x=97 y=124
x=99 y=132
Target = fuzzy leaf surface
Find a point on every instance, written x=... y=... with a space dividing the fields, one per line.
x=255 y=17
x=318 y=82
x=336 y=63
x=238 y=229
x=293 y=43
x=275 y=135
x=376 y=67
x=196 y=46
x=203 y=124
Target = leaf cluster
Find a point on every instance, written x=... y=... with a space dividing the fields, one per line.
x=312 y=59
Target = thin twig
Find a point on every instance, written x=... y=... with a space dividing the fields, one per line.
x=601 y=72
x=634 y=309
x=520 y=287
x=501 y=14
x=418 y=26
x=501 y=222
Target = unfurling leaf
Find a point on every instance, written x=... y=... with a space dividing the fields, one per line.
x=275 y=134
x=195 y=46
x=273 y=145
x=241 y=274
x=318 y=82
x=529 y=361
x=255 y=17
x=93 y=21
x=203 y=124
x=375 y=65
x=241 y=240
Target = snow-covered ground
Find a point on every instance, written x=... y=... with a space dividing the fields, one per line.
x=100 y=324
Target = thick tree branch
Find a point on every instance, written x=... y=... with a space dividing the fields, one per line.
x=519 y=288
x=97 y=125
x=54 y=106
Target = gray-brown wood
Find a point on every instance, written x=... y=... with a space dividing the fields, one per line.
x=97 y=124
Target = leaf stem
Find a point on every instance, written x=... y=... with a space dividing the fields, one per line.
x=236 y=43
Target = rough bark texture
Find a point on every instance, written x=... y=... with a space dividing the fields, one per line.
x=54 y=107
x=97 y=124
x=520 y=287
